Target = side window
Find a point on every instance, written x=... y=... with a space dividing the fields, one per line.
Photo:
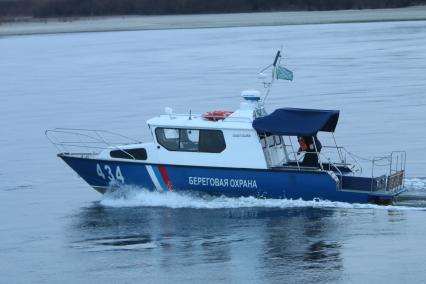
x=189 y=140
x=277 y=139
x=270 y=140
x=168 y=138
x=171 y=133
x=212 y=141
x=262 y=137
x=137 y=154
x=263 y=142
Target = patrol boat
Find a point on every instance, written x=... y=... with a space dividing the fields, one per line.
x=247 y=152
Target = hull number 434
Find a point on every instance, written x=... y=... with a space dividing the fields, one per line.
x=109 y=174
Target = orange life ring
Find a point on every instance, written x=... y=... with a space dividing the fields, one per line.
x=216 y=115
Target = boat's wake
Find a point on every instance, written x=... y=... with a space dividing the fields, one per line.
x=134 y=197
x=415 y=196
x=417 y=185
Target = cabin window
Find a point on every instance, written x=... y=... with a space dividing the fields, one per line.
x=262 y=137
x=191 y=140
x=277 y=140
x=188 y=140
x=263 y=142
x=270 y=140
x=212 y=141
x=168 y=138
x=133 y=154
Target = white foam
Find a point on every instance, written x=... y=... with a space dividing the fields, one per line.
x=417 y=184
x=134 y=197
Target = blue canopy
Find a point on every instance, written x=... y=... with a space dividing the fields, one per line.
x=297 y=121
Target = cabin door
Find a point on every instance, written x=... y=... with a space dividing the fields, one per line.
x=273 y=150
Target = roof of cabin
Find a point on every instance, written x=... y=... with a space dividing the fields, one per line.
x=238 y=120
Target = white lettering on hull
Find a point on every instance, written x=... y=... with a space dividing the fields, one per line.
x=222 y=182
x=107 y=173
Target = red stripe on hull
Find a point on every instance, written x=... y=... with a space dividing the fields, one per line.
x=165 y=177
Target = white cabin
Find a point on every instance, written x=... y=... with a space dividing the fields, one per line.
x=193 y=140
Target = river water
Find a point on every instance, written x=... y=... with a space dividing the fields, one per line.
x=54 y=228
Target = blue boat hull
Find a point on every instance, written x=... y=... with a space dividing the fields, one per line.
x=103 y=174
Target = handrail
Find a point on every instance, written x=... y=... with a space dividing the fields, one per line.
x=396 y=162
x=390 y=179
x=357 y=167
x=330 y=163
x=192 y=116
x=340 y=149
x=93 y=130
x=398 y=155
x=399 y=165
x=88 y=139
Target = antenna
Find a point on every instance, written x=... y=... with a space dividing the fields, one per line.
x=168 y=111
x=276 y=57
x=262 y=76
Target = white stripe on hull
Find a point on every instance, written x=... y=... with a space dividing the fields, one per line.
x=153 y=177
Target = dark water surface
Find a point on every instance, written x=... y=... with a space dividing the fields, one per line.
x=54 y=228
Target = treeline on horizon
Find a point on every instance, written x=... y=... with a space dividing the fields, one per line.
x=77 y=8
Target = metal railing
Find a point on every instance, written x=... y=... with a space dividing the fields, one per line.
x=394 y=170
x=218 y=118
x=335 y=166
x=398 y=161
x=87 y=142
x=346 y=158
x=391 y=179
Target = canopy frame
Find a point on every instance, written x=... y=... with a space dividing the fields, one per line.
x=297 y=122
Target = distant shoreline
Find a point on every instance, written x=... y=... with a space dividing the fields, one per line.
x=131 y=23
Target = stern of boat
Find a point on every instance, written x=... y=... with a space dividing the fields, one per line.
x=381 y=187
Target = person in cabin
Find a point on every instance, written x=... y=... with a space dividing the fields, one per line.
x=307 y=145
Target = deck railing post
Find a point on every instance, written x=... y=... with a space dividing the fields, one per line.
x=338 y=149
x=284 y=148
x=318 y=156
x=294 y=153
